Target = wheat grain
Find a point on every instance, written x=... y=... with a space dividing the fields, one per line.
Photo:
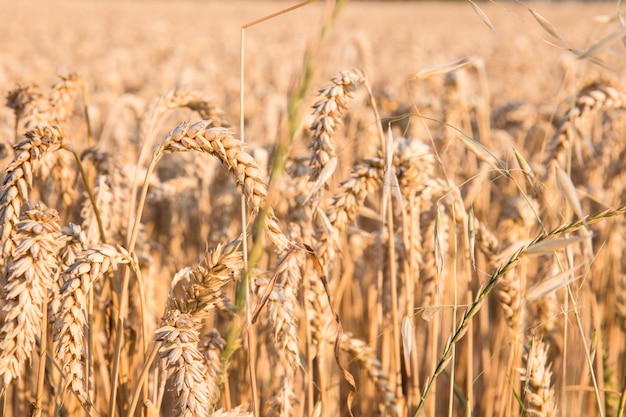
x=592 y=99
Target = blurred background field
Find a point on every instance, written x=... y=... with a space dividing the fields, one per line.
x=524 y=134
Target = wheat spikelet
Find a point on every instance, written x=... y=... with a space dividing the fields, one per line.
x=177 y=98
x=328 y=110
x=18 y=180
x=435 y=228
x=28 y=103
x=366 y=357
x=184 y=362
x=73 y=242
x=200 y=288
x=31 y=270
x=538 y=392
x=62 y=97
x=70 y=321
x=434 y=217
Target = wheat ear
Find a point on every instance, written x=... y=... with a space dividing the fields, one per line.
x=18 y=180
x=184 y=363
x=31 y=270
x=537 y=376
x=592 y=99
x=366 y=357
x=70 y=322
x=221 y=143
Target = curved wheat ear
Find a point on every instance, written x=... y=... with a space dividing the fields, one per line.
x=70 y=321
x=328 y=110
x=366 y=357
x=184 y=363
x=200 y=288
x=62 y=97
x=31 y=271
x=18 y=180
x=539 y=393
x=27 y=101
x=221 y=143
x=592 y=99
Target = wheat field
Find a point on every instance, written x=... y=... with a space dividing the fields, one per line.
x=383 y=209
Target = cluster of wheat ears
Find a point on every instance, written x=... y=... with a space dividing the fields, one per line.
x=350 y=270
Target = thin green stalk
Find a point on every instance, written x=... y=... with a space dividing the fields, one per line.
x=493 y=280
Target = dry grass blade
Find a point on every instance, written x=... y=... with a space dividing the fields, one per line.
x=549 y=27
x=552 y=283
x=483 y=16
x=443 y=68
x=602 y=43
